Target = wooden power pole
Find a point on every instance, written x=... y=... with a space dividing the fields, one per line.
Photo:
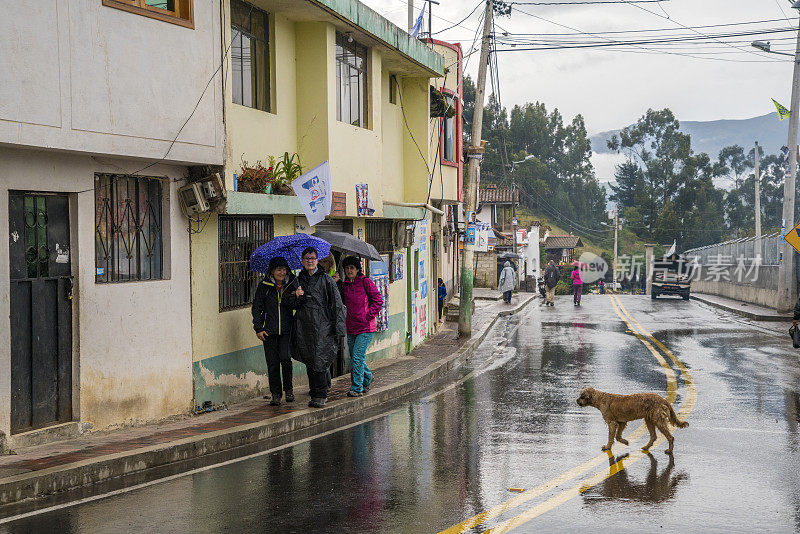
x=474 y=154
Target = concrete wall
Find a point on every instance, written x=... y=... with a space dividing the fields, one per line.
x=762 y=291
x=486 y=270
x=131 y=341
x=73 y=79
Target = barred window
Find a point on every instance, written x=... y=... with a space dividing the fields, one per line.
x=239 y=236
x=351 y=81
x=250 y=56
x=128 y=228
x=379 y=235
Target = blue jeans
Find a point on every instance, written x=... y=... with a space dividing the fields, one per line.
x=507 y=296
x=360 y=375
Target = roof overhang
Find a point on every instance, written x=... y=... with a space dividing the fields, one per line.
x=403 y=54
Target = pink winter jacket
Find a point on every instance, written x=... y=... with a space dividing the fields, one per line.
x=363 y=301
x=576 y=277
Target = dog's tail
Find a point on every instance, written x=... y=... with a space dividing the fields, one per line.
x=673 y=418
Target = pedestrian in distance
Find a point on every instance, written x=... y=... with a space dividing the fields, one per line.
x=551 y=277
x=507 y=282
x=602 y=285
x=272 y=321
x=577 y=286
x=319 y=322
x=442 y=294
x=363 y=302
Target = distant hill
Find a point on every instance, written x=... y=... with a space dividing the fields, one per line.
x=711 y=136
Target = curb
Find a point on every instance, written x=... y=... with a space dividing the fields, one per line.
x=183 y=454
x=744 y=313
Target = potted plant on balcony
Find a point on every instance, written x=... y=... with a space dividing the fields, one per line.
x=286 y=170
x=255 y=178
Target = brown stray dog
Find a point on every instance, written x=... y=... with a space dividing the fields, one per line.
x=618 y=410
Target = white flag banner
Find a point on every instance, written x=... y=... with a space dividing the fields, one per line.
x=313 y=190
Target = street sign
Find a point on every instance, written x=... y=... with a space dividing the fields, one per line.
x=793 y=237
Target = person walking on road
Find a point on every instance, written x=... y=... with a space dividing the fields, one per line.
x=442 y=294
x=577 y=286
x=507 y=282
x=272 y=321
x=318 y=323
x=602 y=285
x=363 y=302
x=551 y=277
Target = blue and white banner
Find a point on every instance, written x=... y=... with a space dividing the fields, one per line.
x=415 y=31
x=313 y=190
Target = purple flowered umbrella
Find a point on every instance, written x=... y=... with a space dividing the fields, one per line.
x=289 y=247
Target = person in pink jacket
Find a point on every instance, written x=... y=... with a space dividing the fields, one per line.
x=577 y=286
x=363 y=302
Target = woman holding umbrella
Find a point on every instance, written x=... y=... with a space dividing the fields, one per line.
x=272 y=321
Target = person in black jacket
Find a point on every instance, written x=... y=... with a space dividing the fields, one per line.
x=272 y=321
x=796 y=315
x=318 y=325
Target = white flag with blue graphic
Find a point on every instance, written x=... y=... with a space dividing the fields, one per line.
x=314 y=192
x=418 y=25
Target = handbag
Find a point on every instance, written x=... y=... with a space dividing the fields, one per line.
x=794 y=333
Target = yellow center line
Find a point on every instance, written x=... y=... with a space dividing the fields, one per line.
x=533 y=493
x=570 y=493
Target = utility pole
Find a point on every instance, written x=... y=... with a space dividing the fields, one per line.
x=513 y=214
x=410 y=14
x=616 y=229
x=474 y=154
x=758 y=197
x=786 y=267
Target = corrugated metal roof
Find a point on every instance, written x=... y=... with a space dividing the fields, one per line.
x=562 y=241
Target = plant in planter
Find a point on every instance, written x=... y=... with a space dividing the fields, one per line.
x=255 y=178
x=286 y=170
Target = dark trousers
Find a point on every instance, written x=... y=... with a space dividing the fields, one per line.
x=279 y=361
x=318 y=383
x=441 y=308
x=507 y=296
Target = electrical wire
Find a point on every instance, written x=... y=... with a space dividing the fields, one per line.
x=460 y=22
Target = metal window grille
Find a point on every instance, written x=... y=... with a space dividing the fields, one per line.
x=239 y=236
x=379 y=235
x=351 y=81
x=249 y=56
x=128 y=228
x=449 y=133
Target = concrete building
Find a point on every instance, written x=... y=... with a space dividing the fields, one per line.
x=322 y=80
x=94 y=142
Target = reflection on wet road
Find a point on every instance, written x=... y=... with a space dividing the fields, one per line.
x=508 y=419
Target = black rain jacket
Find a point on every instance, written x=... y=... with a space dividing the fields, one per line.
x=271 y=313
x=319 y=320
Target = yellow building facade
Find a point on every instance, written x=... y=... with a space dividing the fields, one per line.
x=323 y=80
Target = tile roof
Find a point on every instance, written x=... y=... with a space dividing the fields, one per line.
x=497 y=195
x=562 y=241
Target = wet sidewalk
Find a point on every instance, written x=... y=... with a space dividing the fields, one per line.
x=745 y=309
x=67 y=470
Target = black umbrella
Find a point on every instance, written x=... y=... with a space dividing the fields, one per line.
x=345 y=242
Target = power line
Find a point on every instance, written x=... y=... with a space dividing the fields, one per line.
x=460 y=21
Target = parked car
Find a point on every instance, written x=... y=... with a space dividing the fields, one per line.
x=671 y=277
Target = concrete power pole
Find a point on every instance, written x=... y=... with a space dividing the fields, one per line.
x=474 y=154
x=616 y=229
x=758 y=197
x=786 y=268
x=410 y=14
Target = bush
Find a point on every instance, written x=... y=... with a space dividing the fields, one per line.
x=563 y=288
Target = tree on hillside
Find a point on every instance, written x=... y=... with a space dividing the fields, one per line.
x=559 y=181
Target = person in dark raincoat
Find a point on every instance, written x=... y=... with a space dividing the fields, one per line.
x=272 y=322
x=318 y=324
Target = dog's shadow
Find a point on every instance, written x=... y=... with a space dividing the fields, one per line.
x=656 y=487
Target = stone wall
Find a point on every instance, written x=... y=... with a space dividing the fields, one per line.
x=486 y=270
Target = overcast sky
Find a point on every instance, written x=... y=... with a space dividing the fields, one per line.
x=612 y=89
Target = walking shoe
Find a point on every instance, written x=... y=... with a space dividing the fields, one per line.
x=276 y=400
x=352 y=393
x=317 y=403
x=289 y=396
x=366 y=388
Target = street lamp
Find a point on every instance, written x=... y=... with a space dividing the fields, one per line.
x=616 y=228
x=786 y=266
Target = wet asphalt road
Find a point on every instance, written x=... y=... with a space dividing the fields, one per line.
x=508 y=419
